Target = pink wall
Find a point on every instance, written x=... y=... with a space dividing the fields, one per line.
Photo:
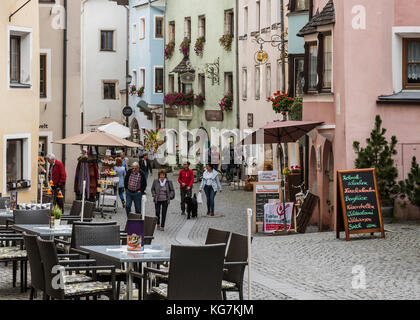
x=407 y=12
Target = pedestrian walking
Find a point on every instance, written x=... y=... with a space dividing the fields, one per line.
x=121 y=173
x=124 y=160
x=210 y=184
x=146 y=165
x=135 y=184
x=186 y=180
x=163 y=192
x=57 y=174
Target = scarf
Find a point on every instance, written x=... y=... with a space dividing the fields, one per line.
x=162 y=184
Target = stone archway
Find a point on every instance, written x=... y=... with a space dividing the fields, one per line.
x=327 y=205
x=313 y=181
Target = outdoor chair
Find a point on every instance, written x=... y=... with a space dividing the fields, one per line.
x=37 y=272
x=4 y=202
x=195 y=273
x=76 y=211
x=41 y=216
x=149 y=228
x=14 y=254
x=92 y=288
x=235 y=263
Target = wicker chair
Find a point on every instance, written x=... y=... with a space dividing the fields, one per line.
x=149 y=228
x=236 y=261
x=37 y=272
x=93 y=288
x=195 y=273
x=15 y=254
x=41 y=216
x=76 y=211
x=215 y=236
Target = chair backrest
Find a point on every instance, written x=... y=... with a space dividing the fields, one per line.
x=97 y=235
x=196 y=272
x=149 y=228
x=35 y=264
x=88 y=211
x=215 y=236
x=4 y=201
x=76 y=208
x=48 y=253
x=84 y=223
x=237 y=252
x=32 y=216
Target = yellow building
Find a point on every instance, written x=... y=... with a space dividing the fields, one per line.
x=19 y=92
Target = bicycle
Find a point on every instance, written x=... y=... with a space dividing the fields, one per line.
x=300 y=196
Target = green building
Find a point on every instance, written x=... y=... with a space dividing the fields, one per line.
x=208 y=68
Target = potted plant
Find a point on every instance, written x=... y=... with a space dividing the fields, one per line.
x=286 y=171
x=226 y=41
x=295 y=169
x=199 y=46
x=169 y=50
x=184 y=47
x=133 y=89
x=57 y=213
x=159 y=89
x=140 y=92
x=281 y=103
x=199 y=100
x=226 y=104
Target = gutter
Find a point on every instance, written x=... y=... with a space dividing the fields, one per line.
x=238 y=117
x=64 y=133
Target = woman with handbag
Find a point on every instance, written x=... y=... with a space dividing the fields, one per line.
x=210 y=184
x=162 y=192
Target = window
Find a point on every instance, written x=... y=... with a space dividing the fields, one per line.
x=142 y=79
x=134 y=33
x=159 y=27
x=257 y=82
x=109 y=91
x=411 y=63
x=187 y=88
x=107 y=40
x=202 y=84
x=171 y=83
x=142 y=29
x=43 y=76
x=257 y=17
x=244 y=83
x=268 y=80
x=268 y=12
x=327 y=62
x=202 y=26
x=158 y=80
x=298 y=76
x=245 y=20
x=172 y=31
x=298 y=5
x=229 y=22
x=228 y=84
x=187 y=28
x=15 y=59
x=134 y=81
x=14 y=158
x=313 y=64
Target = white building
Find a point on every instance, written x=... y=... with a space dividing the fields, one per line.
x=104 y=54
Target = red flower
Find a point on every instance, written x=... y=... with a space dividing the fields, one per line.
x=290 y=99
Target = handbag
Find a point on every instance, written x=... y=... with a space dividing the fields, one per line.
x=199 y=198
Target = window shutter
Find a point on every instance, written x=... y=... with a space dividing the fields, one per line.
x=320 y=62
x=306 y=62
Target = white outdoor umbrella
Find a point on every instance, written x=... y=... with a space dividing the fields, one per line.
x=116 y=129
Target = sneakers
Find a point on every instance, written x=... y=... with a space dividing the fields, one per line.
x=182 y=213
x=212 y=214
x=123 y=203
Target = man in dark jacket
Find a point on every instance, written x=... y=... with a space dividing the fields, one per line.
x=146 y=165
x=57 y=174
x=135 y=184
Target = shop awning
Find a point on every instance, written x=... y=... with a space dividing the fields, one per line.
x=144 y=106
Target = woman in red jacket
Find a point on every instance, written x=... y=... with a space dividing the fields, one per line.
x=185 y=179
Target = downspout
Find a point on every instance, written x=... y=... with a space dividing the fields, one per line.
x=283 y=71
x=127 y=63
x=164 y=74
x=64 y=133
x=238 y=118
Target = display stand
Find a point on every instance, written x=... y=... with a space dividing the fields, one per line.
x=263 y=192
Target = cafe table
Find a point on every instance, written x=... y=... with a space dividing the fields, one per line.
x=44 y=230
x=150 y=253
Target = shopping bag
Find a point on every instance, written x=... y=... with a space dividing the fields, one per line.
x=199 y=198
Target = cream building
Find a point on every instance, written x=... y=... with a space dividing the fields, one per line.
x=19 y=91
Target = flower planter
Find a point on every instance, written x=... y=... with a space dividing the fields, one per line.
x=248 y=186
x=57 y=223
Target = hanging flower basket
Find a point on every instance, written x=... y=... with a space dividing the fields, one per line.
x=140 y=92
x=159 y=89
x=226 y=104
x=295 y=169
x=179 y=99
x=281 y=102
x=226 y=41
x=199 y=100
x=133 y=90
x=199 y=46
x=169 y=50
x=184 y=47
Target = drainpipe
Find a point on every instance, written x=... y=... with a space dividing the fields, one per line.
x=164 y=77
x=283 y=71
x=64 y=133
x=238 y=118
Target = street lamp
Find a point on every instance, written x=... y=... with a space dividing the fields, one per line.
x=128 y=79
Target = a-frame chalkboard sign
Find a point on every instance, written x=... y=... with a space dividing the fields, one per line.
x=358 y=204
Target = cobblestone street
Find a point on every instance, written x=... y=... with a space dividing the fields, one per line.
x=302 y=266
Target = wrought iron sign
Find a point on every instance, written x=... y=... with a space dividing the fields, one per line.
x=212 y=71
x=276 y=41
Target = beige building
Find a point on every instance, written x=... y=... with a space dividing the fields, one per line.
x=60 y=82
x=19 y=92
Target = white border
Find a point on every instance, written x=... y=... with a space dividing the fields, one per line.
x=154 y=79
x=154 y=27
x=145 y=27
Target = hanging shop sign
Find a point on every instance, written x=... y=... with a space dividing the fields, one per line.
x=187 y=77
x=127 y=111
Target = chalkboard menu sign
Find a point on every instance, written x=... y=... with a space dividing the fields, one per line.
x=263 y=193
x=358 y=210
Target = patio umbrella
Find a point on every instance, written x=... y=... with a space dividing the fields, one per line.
x=281 y=132
x=98 y=138
x=103 y=121
x=116 y=129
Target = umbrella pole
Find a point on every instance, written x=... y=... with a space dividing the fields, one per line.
x=249 y=216
x=83 y=201
x=283 y=189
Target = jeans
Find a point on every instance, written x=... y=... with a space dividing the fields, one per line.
x=184 y=193
x=121 y=193
x=146 y=175
x=133 y=196
x=164 y=206
x=210 y=194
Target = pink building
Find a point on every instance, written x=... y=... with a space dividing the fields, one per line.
x=362 y=58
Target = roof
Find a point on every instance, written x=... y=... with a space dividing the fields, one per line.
x=184 y=66
x=405 y=97
x=326 y=17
